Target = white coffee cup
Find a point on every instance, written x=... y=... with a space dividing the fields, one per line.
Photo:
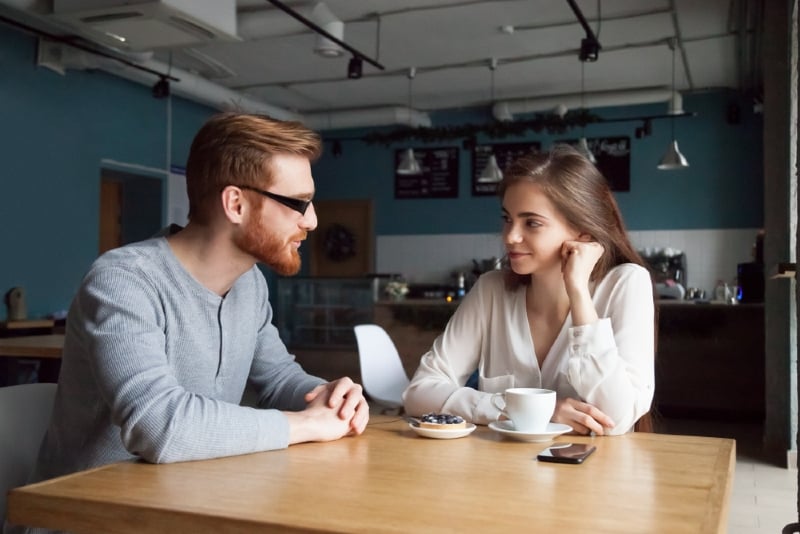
x=530 y=409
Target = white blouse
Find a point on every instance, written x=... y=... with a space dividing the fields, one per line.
x=608 y=364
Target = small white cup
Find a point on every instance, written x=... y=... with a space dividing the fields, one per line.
x=530 y=409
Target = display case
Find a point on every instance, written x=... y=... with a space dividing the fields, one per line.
x=321 y=312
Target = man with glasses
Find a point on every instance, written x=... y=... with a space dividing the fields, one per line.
x=164 y=335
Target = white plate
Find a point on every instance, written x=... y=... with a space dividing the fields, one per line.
x=445 y=433
x=506 y=428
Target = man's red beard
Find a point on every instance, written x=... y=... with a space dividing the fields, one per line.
x=268 y=248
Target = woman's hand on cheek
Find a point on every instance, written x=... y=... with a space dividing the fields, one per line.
x=578 y=258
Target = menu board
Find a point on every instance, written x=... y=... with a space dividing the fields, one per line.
x=505 y=154
x=439 y=177
x=613 y=155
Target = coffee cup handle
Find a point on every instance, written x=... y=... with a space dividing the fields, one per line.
x=501 y=408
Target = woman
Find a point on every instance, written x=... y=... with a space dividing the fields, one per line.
x=572 y=311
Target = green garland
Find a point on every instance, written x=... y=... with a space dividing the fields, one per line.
x=549 y=122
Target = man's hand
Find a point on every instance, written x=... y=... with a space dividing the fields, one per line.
x=347 y=398
x=335 y=409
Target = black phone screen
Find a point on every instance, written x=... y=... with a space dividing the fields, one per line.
x=568 y=453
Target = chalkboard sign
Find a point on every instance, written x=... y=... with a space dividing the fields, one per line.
x=613 y=155
x=505 y=153
x=439 y=177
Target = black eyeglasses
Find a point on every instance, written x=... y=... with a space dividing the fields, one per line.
x=298 y=205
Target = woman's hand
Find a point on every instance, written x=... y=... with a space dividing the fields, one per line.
x=582 y=417
x=578 y=259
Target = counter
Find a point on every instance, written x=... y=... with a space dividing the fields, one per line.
x=709 y=361
x=413 y=325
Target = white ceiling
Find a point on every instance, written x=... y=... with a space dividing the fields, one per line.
x=450 y=43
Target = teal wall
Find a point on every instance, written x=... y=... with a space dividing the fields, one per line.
x=722 y=188
x=55 y=130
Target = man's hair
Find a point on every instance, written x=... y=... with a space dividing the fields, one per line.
x=236 y=149
x=581 y=194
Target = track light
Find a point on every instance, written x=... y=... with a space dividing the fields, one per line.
x=161 y=89
x=355 y=68
x=590 y=49
x=645 y=129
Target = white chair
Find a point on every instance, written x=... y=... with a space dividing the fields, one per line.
x=24 y=415
x=382 y=374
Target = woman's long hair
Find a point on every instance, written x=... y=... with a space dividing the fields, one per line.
x=581 y=194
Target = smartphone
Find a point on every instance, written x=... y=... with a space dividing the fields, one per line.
x=566 y=453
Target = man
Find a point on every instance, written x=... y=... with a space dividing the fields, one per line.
x=164 y=335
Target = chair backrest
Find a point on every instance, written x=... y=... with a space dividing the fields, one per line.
x=24 y=415
x=382 y=373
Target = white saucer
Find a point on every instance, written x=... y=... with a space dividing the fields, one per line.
x=446 y=433
x=507 y=429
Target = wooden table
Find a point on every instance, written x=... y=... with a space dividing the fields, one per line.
x=46 y=348
x=26 y=325
x=391 y=480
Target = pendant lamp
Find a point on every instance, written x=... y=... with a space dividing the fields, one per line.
x=673 y=159
x=583 y=145
x=408 y=161
x=491 y=172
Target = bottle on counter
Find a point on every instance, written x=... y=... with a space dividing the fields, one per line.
x=726 y=293
x=461 y=289
x=720 y=290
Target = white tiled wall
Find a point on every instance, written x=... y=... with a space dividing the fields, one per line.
x=710 y=254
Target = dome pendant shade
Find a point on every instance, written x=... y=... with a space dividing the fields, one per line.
x=492 y=172
x=673 y=159
x=408 y=163
x=583 y=147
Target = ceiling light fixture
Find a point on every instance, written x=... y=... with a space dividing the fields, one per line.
x=321 y=31
x=590 y=49
x=673 y=159
x=590 y=46
x=161 y=89
x=491 y=172
x=583 y=144
x=355 y=68
x=326 y=20
x=408 y=161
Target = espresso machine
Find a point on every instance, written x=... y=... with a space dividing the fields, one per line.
x=668 y=267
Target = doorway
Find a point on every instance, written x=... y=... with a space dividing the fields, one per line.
x=130 y=208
